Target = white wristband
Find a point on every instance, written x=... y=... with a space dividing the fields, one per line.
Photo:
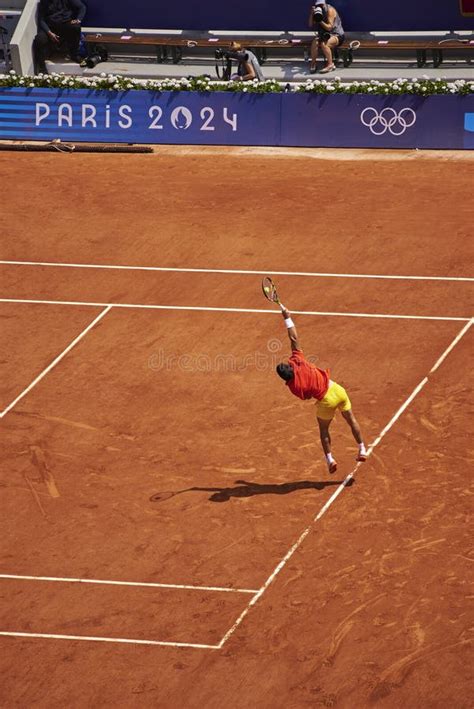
x=289 y=323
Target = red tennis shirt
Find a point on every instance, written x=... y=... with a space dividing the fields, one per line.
x=309 y=381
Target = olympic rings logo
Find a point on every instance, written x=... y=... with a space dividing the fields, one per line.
x=388 y=120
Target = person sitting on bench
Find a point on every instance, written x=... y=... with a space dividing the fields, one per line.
x=59 y=21
x=325 y=21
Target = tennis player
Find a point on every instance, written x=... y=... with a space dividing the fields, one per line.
x=307 y=381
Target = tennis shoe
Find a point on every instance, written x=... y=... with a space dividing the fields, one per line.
x=332 y=467
x=361 y=455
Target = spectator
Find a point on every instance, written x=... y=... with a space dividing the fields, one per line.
x=248 y=66
x=59 y=21
x=329 y=34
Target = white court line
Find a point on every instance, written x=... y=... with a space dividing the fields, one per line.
x=129 y=583
x=341 y=487
x=130 y=641
x=56 y=361
x=241 y=272
x=199 y=308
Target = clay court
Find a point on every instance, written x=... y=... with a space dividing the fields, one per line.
x=137 y=359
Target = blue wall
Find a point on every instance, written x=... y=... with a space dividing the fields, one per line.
x=223 y=118
x=357 y=15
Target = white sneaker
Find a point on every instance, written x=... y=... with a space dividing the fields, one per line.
x=362 y=455
x=327 y=69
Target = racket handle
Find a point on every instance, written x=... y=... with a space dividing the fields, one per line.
x=282 y=306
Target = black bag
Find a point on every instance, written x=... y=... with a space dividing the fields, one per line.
x=98 y=53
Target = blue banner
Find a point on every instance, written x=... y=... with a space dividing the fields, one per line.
x=362 y=121
x=221 y=118
x=140 y=116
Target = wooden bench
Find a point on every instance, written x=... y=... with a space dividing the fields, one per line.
x=464 y=47
x=420 y=47
x=172 y=46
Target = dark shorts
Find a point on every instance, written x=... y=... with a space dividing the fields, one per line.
x=324 y=37
x=340 y=37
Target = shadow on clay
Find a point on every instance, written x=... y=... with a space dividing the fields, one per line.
x=243 y=488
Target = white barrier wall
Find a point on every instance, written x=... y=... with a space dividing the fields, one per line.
x=21 y=45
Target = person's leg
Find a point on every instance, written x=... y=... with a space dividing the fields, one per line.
x=71 y=35
x=326 y=48
x=41 y=49
x=326 y=443
x=314 y=53
x=355 y=428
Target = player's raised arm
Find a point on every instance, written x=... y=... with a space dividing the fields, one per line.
x=290 y=325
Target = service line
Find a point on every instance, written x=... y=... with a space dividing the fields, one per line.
x=106 y=582
x=344 y=484
x=241 y=272
x=129 y=641
x=260 y=311
x=56 y=361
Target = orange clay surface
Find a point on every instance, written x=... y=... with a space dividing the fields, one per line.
x=372 y=609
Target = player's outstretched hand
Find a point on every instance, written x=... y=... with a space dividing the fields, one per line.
x=285 y=312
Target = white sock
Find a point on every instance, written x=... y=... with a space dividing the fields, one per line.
x=329 y=458
x=362 y=448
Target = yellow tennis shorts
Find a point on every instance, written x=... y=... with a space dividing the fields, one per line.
x=336 y=398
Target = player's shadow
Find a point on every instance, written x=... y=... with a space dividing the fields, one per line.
x=249 y=489
x=243 y=488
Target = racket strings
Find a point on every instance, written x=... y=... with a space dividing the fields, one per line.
x=269 y=290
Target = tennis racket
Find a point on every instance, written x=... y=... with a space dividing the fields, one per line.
x=270 y=291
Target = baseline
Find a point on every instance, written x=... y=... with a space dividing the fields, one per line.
x=308 y=274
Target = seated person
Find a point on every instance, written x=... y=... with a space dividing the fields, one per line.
x=248 y=66
x=329 y=34
x=59 y=21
